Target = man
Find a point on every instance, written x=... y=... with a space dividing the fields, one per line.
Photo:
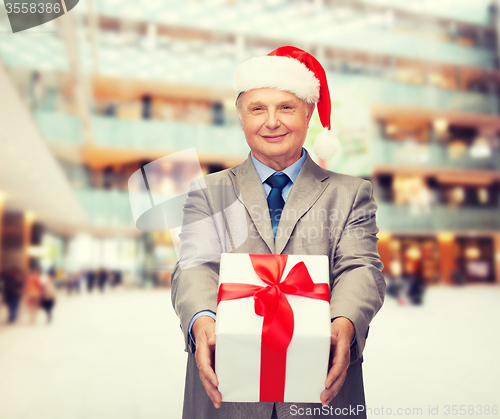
x=279 y=201
x=13 y=285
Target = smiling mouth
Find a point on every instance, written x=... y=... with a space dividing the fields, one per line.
x=273 y=137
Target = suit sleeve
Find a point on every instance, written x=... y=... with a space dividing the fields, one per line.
x=358 y=288
x=196 y=274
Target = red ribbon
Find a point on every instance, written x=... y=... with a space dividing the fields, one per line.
x=272 y=304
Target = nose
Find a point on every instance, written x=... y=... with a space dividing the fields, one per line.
x=272 y=121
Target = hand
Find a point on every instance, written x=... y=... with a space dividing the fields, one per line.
x=340 y=354
x=204 y=334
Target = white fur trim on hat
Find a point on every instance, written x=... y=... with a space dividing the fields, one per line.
x=282 y=73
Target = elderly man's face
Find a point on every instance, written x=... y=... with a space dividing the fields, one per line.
x=275 y=124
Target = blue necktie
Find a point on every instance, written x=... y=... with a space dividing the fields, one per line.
x=274 y=199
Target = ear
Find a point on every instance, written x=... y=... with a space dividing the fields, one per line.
x=311 y=107
x=239 y=117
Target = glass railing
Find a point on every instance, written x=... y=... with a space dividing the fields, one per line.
x=393 y=217
x=475 y=12
x=430 y=155
x=387 y=42
x=106 y=207
x=151 y=134
x=60 y=128
x=387 y=92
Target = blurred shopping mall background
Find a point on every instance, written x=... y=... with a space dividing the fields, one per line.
x=90 y=98
x=93 y=96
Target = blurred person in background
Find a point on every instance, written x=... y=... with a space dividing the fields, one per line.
x=33 y=293
x=36 y=90
x=48 y=295
x=90 y=278
x=13 y=285
x=277 y=94
x=395 y=282
x=73 y=283
x=458 y=277
x=102 y=278
x=117 y=278
x=60 y=277
x=416 y=288
x=415 y=281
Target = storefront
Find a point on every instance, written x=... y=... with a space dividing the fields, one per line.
x=443 y=258
x=475 y=259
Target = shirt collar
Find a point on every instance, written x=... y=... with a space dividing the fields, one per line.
x=291 y=171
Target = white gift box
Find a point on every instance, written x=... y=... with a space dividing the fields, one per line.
x=239 y=332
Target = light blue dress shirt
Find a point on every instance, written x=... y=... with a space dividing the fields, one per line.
x=291 y=171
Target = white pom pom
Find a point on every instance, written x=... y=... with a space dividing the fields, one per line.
x=326 y=146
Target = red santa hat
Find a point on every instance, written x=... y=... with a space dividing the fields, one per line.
x=296 y=71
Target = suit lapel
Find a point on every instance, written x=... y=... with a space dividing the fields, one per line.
x=306 y=190
x=249 y=189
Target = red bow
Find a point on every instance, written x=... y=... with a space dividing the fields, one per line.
x=272 y=304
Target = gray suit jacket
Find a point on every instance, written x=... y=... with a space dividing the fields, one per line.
x=326 y=213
